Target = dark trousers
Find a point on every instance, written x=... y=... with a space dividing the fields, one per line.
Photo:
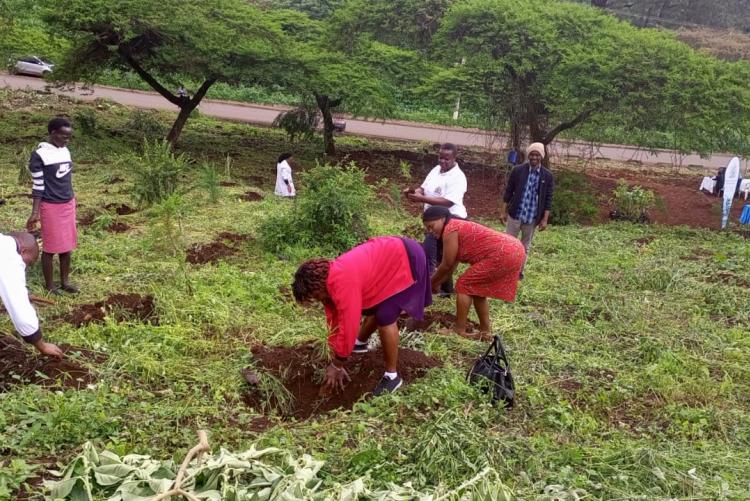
x=433 y=248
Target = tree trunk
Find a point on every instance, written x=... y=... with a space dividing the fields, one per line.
x=326 y=105
x=187 y=105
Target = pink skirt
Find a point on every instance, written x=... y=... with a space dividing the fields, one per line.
x=59 y=232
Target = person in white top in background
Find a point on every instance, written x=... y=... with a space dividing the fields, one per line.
x=445 y=185
x=17 y=251
x=284 y=183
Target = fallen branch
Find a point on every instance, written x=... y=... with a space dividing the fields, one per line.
x=40 y=300
x=198 y=450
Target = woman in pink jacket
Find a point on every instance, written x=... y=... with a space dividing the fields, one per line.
x=379 y=280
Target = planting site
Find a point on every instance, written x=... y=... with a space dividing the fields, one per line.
x=628 y=342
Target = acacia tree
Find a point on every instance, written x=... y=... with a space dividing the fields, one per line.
x=551 y=66
x=165 y=41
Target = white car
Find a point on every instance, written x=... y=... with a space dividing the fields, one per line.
x=32 y=65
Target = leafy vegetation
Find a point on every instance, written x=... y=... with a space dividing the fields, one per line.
x=632 y=203
x=330 y=214
x=157 y=171
x=574 y=200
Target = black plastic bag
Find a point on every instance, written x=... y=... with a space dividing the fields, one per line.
x=492 y=372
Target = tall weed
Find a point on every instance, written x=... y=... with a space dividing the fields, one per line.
x=157 y=171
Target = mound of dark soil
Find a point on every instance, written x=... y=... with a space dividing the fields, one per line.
x=122 y=306
x=300 y=370
x=251 y=196
x=121 y=209
x=118 y=227
x=227 y=183
x=86 y=218
x=435 y=319
x=21 y=364
x=226 y=244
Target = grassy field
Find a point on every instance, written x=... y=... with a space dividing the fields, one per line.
x=629 y=344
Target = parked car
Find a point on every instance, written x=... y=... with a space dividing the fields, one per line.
x=32 y=65
x=339 y=125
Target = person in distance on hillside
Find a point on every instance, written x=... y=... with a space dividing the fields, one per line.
x=54 y=204
x=495 y=260
x=284 y=183
x=379 y=280
x=527 y=200
x=444 y=186
x=17 y=251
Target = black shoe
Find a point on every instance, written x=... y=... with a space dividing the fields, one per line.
x=387 y=385
x=361 y=348
x=70 y=288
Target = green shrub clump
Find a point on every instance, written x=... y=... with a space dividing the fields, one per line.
x=330 y=213
x=632 y=203
x=574 y=200
x=156 y=171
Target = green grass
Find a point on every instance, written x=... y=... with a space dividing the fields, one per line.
x=631 y=359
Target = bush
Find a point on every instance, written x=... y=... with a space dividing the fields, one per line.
x=631 y=203
x=208 y=181
x=84 y=120
x=330 y=213
x=574 y=200
x=300 y=122
x=156 y=171
x=145 y=124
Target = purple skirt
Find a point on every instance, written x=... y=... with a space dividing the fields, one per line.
x=411 y=300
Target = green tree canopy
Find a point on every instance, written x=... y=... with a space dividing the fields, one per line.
x=209 y=41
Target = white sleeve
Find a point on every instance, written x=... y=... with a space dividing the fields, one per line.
x=286 y=173
x=15 y=297
x=456 y=189
x=427 y=183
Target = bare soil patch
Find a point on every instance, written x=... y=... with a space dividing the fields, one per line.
x=20 y=364
x=727 y=277
x=251 y=196
x=122 y=306
x=86 y=218
x=121 y=209
x=434 y=319
x=225 y=245
x=118 y=227
x=299 y=369
x=227 y=183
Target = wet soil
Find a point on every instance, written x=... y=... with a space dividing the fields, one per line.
x=121 y=306
x=121 y=209
x=20 y=364
x=251 y=196
x=225 y=244
x=300 y=371
x=86 y=218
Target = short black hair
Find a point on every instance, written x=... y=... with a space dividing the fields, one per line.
x=450 y=147
x=57 y=123
x=283 y=157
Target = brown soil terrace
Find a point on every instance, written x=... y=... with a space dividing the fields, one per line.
x=225 y=244
x=122 y=306
x=21 y=364
x=300 y=371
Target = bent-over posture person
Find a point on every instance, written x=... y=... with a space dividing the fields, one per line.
x=54 y=203
x=496 y=261
x=379 y=280
x=17 y=251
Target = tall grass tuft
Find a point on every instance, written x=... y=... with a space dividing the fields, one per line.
x=157 y=171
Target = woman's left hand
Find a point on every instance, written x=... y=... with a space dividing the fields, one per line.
x=334 y=379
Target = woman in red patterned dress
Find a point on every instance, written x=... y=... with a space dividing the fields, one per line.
x=495 y=261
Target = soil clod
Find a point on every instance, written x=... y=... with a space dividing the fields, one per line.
x=226 y=244
x=121 y=209
x=20 y=364
x=122 y=306
x=251 y=196
x=300 y=371
x=118 y=227
x=442 y=319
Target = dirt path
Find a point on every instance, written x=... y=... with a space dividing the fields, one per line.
x=391 y=129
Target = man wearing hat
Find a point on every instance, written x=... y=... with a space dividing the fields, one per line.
x=528 y=197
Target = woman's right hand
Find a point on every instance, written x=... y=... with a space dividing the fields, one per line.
x=334 y=379
x=32 y=221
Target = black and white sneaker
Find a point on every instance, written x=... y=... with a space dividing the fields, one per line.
x=361 y=348
x=387 y=385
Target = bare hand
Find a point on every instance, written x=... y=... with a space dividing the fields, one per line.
x=504 y=217
x=49 y=349
x=543 y=225
x=32 y=222
x=334 y=380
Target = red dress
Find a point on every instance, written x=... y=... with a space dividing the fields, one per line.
x=496 y=260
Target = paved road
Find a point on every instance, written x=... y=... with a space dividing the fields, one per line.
x=265 y=114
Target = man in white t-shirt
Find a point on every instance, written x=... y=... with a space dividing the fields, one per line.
x=17 y=251
x=445 y=185
x=284 y=183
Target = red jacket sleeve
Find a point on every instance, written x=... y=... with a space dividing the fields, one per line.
x=344 y=314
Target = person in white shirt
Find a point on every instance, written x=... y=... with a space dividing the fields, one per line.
x=17 y=251
x=445 y=186
x=284 y=183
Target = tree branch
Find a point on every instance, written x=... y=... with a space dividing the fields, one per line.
x=146 y=76
x=565 y=126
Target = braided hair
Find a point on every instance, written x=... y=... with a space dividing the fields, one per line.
x=310 y=278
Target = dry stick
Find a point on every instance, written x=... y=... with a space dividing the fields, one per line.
x=199 y=449
x=40 y=300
